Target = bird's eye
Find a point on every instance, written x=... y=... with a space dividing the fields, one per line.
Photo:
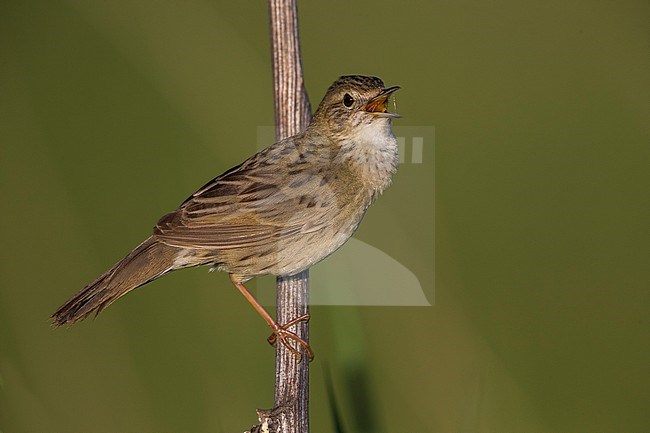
x=348 y=100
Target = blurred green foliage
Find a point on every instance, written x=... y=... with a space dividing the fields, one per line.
x=111 y=113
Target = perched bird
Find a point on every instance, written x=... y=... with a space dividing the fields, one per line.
x=279 y=212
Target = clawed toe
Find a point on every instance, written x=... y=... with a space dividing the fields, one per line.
x=282 y=334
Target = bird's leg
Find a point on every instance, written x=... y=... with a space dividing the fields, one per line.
x=280 y=332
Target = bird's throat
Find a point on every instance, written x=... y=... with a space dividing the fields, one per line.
x=372 y=151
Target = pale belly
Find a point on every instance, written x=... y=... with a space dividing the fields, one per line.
x=295 y=253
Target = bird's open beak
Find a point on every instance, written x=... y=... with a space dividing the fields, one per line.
x=377 y=105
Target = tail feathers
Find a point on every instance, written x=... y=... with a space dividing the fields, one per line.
x=148 y=261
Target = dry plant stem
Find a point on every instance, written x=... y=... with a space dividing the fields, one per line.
x=292 y=108
x=292 y=115
x=292 y=372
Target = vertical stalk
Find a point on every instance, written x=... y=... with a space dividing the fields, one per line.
x=292 y=115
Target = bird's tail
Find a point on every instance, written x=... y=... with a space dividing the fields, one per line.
x=148 y=261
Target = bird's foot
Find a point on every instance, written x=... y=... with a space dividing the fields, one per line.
x=283 y=335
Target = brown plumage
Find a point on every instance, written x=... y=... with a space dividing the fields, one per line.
x=279 y=212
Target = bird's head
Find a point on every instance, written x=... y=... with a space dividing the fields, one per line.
x=353 y=103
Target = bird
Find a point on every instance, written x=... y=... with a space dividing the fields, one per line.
x=279 y=212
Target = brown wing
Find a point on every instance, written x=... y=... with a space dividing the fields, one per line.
x=254 y=204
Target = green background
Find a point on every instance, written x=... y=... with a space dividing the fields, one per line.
x=111 y=113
